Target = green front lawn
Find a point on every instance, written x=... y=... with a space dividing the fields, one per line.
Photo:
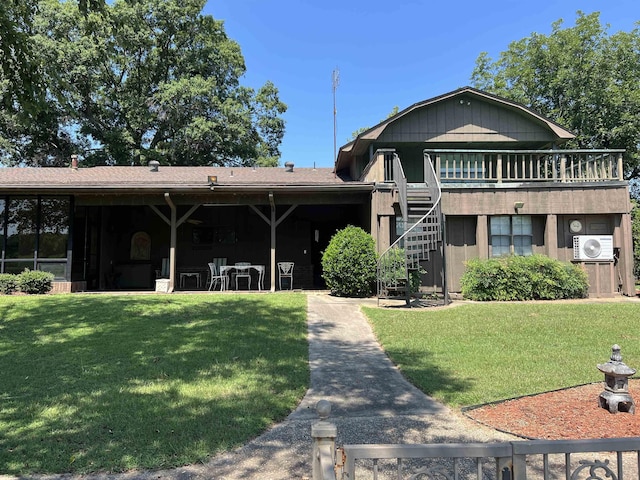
x=478 y=353
x=117 y=382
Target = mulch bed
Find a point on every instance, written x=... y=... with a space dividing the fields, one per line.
x=572 y=413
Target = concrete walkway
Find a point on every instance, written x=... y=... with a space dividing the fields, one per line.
x=372 y=403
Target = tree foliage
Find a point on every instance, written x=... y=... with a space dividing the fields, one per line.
x=139 y=80
x=17 y=63
x=17 y=69
x=582 y=77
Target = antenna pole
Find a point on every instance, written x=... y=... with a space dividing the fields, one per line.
x=335 y=81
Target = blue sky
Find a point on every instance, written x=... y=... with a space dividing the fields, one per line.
x=391 y=53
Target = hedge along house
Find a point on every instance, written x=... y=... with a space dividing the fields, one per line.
x=120 y=228
x=471 y=175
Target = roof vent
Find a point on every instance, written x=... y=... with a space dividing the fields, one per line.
x=289 y=166
x=154 y=165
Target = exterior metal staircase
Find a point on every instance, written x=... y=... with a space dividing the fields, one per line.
x=400 y=266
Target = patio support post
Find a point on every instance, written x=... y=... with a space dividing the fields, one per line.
x=173 y=225
x=172 y=248
x=273 y=242
x=273 y=223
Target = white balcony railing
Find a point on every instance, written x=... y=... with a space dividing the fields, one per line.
x=502 y=166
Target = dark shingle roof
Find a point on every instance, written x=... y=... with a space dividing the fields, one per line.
x=165 y=178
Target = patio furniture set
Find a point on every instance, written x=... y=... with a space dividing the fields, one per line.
x=224 y=277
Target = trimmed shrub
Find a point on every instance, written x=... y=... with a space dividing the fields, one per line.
x=536 y=277
x=8 y=283
x=392 y=267
x=35 y=281
x=349 y=263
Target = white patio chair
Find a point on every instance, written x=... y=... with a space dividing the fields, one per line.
x=215 y=277
x=285 y=270
x=222 y=262
x=243 y=273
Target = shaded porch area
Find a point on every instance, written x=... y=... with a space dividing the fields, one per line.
x=127 y=247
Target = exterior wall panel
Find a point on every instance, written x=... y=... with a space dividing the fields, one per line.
x=465 y=120
x=461 y=246
x=569 y=200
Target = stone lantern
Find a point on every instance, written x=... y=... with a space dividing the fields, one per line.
x=616 y=397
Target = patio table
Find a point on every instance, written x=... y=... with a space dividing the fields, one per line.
x=185 y=275
x=225 y=269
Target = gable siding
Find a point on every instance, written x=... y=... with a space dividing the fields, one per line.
x=474 y=120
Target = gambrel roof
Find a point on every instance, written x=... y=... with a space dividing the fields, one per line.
x=464 y=116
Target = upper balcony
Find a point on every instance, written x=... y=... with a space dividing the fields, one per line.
x=520 y=166
x=474 y=167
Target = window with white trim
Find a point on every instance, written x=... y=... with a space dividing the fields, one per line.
x=511 y=234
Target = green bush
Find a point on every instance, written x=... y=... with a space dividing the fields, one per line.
x=393 y=270
x=8 y=283
x=393 y=266
x=349 y=263
x=34 y=281
x=536 y=277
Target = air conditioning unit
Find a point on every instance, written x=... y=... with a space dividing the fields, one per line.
x=593 y=247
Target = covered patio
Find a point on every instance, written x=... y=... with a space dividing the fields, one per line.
x=131 y=226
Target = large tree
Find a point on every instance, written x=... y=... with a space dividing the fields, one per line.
x=138 y=80
x=582 y=77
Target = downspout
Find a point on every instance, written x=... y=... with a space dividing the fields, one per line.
x=172 y=247
x=273 y=242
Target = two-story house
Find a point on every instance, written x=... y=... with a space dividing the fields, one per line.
x=471 y=175
x=459 y=176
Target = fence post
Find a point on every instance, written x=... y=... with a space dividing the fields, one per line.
x=324 y=435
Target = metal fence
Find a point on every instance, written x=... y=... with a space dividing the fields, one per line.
x=597 y=459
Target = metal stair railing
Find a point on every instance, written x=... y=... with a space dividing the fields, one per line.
x=414 y=245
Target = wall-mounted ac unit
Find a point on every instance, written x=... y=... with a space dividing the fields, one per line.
x=593 y=247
